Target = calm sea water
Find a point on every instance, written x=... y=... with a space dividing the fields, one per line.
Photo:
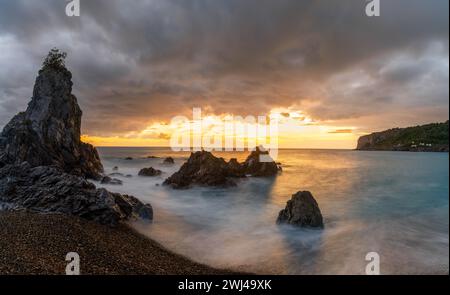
x=392 y=203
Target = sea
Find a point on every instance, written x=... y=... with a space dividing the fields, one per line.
x=393 y=204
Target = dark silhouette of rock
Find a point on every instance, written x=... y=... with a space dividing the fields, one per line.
x=302 y=210
x=112 y=181
x=115 y=168
x=48 y=132
x=129 y=158
x=43 y=163
x=235 y=169
x=202 y=168
x=169 y=160
x=49 y=190
x=149 y=172
x=255 y=167
x=116 y=174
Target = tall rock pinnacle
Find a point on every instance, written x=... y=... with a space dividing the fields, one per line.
x=48 y=132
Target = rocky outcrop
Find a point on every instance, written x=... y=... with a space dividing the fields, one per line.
x=169 y=161
x=48 y=132
x=425 y=138
x=202 y=168
x=111 y=181
x=149 y=172
x=49 y=190
x=235 y=169
x=302 y=210
x=43 y=163
x=254 y=165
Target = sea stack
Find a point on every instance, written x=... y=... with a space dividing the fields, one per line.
x=48 y=132
x=43 y=163
x=302 y=210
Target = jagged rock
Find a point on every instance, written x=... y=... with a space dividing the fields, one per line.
x=112 y=181
x=169 y=160
x=255 y=167
x=48 y=132
x=149 y=172
x=44 y=164
x=235 y=169
x=128 y=158
x=202 y=168
x=50 y=190
x=302 y=210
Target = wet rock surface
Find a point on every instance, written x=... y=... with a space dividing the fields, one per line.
x=302 y=210
x=204 y=169
x=259 y=164
x=48 y=189
x=111 y=181
x=149 y=172
x=169 y=161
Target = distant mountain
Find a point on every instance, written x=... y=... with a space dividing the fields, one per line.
x=425 y=138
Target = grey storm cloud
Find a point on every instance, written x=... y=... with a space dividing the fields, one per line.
x=135 y=62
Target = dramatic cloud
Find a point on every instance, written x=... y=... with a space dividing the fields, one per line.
x=139 y=62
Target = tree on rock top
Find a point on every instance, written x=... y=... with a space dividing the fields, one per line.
x=48 y=132
x=55 y=59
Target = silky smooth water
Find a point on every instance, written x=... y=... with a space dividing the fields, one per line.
x=392 y=203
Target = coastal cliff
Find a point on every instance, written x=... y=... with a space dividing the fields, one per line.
x=425 y=138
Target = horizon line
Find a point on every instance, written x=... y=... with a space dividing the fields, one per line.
x=168 y=147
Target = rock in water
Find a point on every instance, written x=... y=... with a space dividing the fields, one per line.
x=49 y=190
x=255 y=167
x=149 y=172
x=302 y=210
x=202 y=168
x=235 y=169
x=48 y=132
x=169 y=160
x=112 y=181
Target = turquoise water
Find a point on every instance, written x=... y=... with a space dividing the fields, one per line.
x=392 y=203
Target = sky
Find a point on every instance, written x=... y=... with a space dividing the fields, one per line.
x=328 y=71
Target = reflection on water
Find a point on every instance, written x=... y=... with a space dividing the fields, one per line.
x=393 y=203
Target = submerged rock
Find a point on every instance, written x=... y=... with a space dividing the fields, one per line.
x=169 y=160
x=302 y=210
x=202 y=168
x=49 y=190
x=48 y=132
x=255 y=167
x=149 y=172
x=112 y=181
